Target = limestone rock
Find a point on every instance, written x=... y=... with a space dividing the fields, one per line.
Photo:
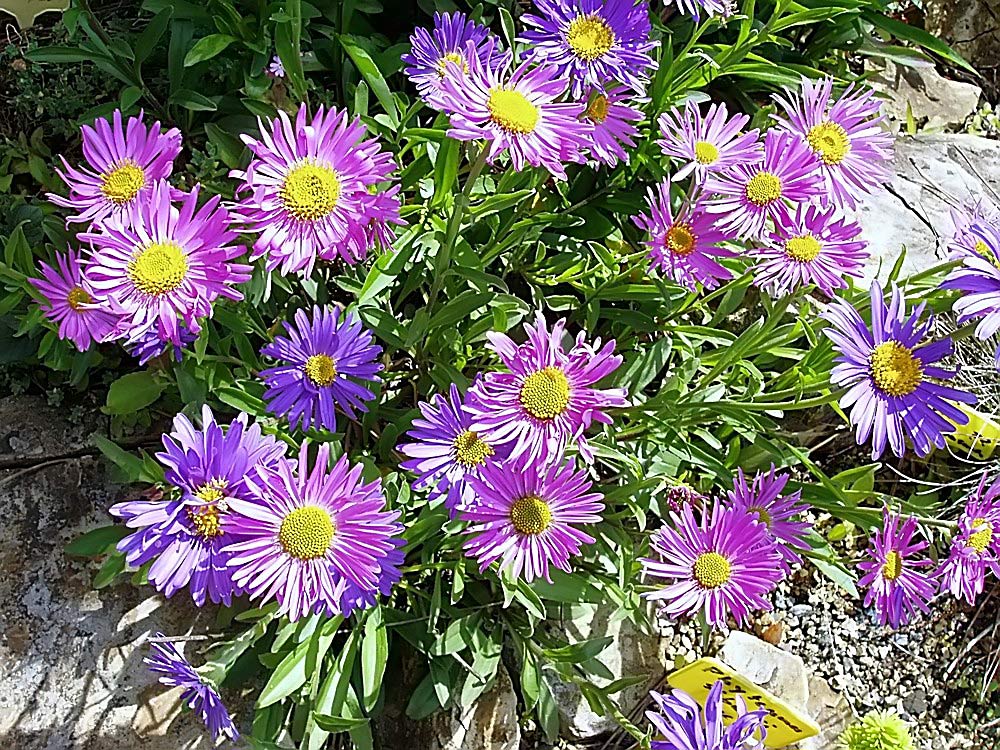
x=971 y=27
x=830 y=710
x=942 y=102
x=781 y=673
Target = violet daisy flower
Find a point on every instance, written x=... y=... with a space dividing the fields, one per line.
x=310 y=534
x=893 y=576
x=889 y=376
x=723 y=566
x=546 y=399
x=320 y=362
x=708 y=143
x=815 y=246
x=971 y=223
x=592 y=42
x=682 y=724
x=846 y=137
x=185 y=538
x=199 y=694
x=527 y=516
x=976 y=547
x=684 y=247
x=516 y=112
x=70 y=304
x=445 y=452
x=751 y=193
x=452 y=38
x=611 y=119
x=124 y=161
x=978 y=278
x=762 y=498
x=148 y=344
x=308 y=190
x=164 y=264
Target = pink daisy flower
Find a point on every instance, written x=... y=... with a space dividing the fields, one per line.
x=611 y=119
x=975 y=549
x=70 y=304
x=708 y=143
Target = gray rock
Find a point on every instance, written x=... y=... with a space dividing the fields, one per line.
x=936 y=101
x=779 y=672
x=971 y=27
x=916 y=702
x=830 y=710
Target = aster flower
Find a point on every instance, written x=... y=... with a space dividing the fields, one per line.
x=971 y=223
x=445 y=452
x=147 y=344
x=124 y=161
x=451 y=39
x=708 y=143
x=815 y=246
x=165 y=264
x=976 y=547
x=684 y=247
x=978 y=278
x=517 y=112
x=763 y=499
x=308 y=190
x=751 y=193
x=546 y=399
x=725 y=565
x=320 y=363
x=199 y=694
x=70 y=304
x=592 y=42
x=315 y=539
x=275 y=69
x=846 y=136
x=527 y=516
x=893 y=575
x=186 y=538
x=355 y=597
x=889 y=375
x=682 y=724
x=611 y=119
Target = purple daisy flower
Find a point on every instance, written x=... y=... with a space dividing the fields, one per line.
x=976 y=547
x=893 y=575
x=147 y=344
x=889 y=374
x=527 y=516
x=199 y=694
x=815 y=246
x=320 y=362
x=762 y=499
x=309 y=190
x=592 y=42
x=751 y=193
x=517 y=113
x=311 y=534
x=978 y=278
x=275 y=69
x=971 y=223
x=164 y=264
x=546 y=399
x=185 y=538
x=708 y=143
x=451 y=39
x=123 y=164
x=356 y=597
x=445 y=452
x=611 y=120
x=81 y=319
x=723 y=566
x=683 y=247
x=846 y=137
x=682 y=724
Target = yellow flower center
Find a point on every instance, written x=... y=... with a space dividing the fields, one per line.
x=158 y=268
x=893 y=567
x=982 y=537
x=320 y=369
x=705 y=153
x=982 y=248
x=830 y=142
x=590 y=37
x=803 y=248
x=77 y=297
x=310 y=191
x=712 y=570
x=763 y=188
x=680 y=239
x=545 y=394
x=530 y=515
x=894 y=369
x=512 y=111
x=470 y=450
x=205 y=521
x=451 y=57
x=123 y=183
x=762 y=514
x=306 y=533
x=597 y=110
x=212 y=492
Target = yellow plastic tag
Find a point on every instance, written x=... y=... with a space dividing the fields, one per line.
x=785 y=725
x=979 y=436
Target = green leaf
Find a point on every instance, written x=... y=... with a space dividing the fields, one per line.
x=151 y=35
x=288 y=45
x=133 y=392
x=113 y=567
x=127 y=462
x=917 y=36
x=374 y=655
x=370 y=72
x=206 y=48
x=193 y=101
x=336 y=724
x=293 y=671
x=229 y=146
x=96 y=541
x=59 y=54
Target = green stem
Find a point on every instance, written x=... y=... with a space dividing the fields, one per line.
x=806 y=403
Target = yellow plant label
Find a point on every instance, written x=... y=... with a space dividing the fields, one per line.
x=978 y=437
x=785 y=725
